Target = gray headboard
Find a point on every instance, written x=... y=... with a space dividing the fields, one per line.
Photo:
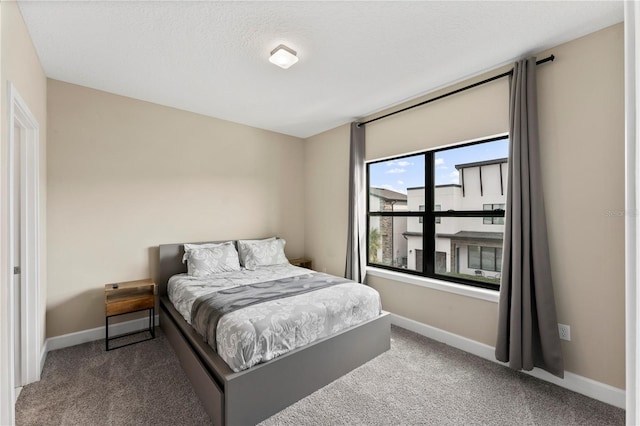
x=170 y=262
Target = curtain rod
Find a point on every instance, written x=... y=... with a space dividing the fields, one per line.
x=462 y=89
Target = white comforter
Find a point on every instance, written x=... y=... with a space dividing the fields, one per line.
x=263 y=331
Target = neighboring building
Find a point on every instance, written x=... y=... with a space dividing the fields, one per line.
x=471 y=246
x=391 y=247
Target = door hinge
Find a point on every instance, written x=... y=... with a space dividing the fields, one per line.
x=16 y=270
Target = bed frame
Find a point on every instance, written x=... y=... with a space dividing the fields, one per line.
x=253 y=395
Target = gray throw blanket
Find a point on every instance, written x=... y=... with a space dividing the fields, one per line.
x=209 y=308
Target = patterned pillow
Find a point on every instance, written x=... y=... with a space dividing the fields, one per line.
x=243 y=247
x=263 y=253
x=204 y=260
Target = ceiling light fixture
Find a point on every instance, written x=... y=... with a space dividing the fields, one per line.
x=283 y=56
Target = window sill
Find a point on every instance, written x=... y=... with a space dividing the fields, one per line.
x=463 y=290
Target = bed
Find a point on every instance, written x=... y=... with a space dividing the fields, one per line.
x=255 y=392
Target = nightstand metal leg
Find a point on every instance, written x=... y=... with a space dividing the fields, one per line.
x=152 y=328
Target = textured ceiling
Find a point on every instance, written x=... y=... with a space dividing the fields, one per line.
x=355 y=57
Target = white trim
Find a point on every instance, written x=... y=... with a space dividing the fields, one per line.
x=585 y=386
x=432 y=283
x=632 y=219
x=93 y=334
x=20 y=114
x=31 y=334
x=43 y=355
x=7 y=393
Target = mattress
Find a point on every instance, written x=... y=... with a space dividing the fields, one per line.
x=261 y=332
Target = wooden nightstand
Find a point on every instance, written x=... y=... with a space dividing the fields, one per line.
x=126 y=298
x=302 y=262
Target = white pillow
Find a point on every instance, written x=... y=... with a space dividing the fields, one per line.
x=204 y=260
x=264 y=253
x=244 y=244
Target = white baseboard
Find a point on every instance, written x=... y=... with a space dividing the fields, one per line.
x=43 y=356
x=79 y=337
x=583 y=385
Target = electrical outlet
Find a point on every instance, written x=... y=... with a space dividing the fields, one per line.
x=565 y=332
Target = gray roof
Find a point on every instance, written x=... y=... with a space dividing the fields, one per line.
x=474 y=235
x=388 y=194
x=464 y=235
x=445 y=185
x=482 y=163
x=412 y=234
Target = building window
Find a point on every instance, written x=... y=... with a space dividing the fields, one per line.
x=493 y=220
x=409 y=196
x=485 y=258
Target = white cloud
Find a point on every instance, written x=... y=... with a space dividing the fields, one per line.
x=454 y=176
x=400 y=182
x=401 y=163
x=396 y=170
x=439 y=161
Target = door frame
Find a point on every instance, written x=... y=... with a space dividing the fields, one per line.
x=31 y=322
x=632 y=206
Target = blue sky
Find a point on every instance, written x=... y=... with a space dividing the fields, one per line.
x=408 y=172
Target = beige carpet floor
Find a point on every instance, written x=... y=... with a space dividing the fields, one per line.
x=417 y=382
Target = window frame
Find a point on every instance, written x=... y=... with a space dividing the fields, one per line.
x=493 y=219
x=429 y=216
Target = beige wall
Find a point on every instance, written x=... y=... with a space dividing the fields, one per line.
x=20 y=65
x=127 y=175
x=582 y=133
x=581 y=108
x=326 y=199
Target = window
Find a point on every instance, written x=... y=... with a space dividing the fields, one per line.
x=493 y=220
x=408 y=197
x=485 y=258
x=441 y=262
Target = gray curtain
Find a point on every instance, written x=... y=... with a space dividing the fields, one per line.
x=356 y=246
x=527 y=323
